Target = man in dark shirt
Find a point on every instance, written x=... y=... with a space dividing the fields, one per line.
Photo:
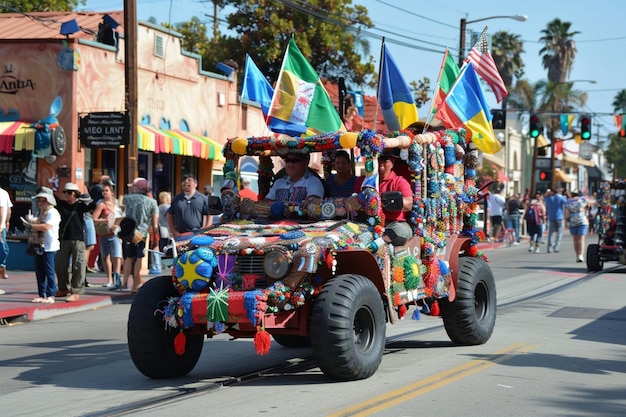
x=72 y=237
x=189 y=210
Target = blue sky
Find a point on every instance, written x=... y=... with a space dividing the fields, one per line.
x=601 y=41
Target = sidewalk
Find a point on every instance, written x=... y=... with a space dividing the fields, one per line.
x=16 y=305
x=21 y=287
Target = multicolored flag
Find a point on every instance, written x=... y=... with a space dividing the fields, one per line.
x=486 y=67
x=447 y=75
x=301 y=104
x=465 y=105
x=256 y=87
x=394 y=96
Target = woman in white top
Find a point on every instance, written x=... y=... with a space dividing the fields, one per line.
x=45 y=231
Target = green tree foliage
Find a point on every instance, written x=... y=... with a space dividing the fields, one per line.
x=616 y=155
x=326 y=32
x=27 y=6
x=619 y=102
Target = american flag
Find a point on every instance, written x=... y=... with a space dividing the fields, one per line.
x=486 y=67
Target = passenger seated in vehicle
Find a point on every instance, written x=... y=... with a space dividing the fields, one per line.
x=397 y=230
x=342 y=183
x=300 y=183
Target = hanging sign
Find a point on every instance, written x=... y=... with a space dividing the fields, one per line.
x=104 y=129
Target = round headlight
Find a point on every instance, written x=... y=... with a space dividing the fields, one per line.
x=275 y=265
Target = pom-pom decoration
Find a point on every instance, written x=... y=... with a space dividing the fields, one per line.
x=348 y=140
x=239 y=146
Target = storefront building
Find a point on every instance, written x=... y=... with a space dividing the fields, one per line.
x=61 y=94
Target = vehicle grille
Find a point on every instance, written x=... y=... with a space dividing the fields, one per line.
x=250 y=264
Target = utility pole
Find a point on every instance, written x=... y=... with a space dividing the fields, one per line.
x=130 y=88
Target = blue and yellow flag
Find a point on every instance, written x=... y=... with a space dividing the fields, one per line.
x=394 y=96
x=465 y=105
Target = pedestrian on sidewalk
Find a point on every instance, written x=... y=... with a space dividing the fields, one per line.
x=110 y=246
x=576 y=220
x=514 y=209
x=496 y=207
x=44 y=230
x=72 y=237
x=189 y=210
x=5 y=215
x=535 y=218
x=555 y=208
x=145 y=212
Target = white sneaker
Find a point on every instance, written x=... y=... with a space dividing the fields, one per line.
x=530 y=249
x=537 y=250
x=2 y=292
x=515 y=243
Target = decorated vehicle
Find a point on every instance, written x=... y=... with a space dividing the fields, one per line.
x=316 y=274
x=611 y=228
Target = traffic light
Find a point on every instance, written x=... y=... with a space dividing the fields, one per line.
x=545 y=175
x=585 y=127
x=535 y=126
x=499 y=119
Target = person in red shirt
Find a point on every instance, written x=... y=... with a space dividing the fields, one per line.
x=246 y=192
x=397 y=230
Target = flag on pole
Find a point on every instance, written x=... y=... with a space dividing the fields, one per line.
x=301 y=104
x=465 y=105
x=447 y=75
x=394 y=96
x=486 y=67
x=256 y=87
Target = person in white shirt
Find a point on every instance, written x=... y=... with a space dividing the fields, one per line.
x=44 y=231
x=5 y=215
x=496 y=205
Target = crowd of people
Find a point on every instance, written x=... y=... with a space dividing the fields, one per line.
x=545 y=216
x=72 y=233
x=82 y=227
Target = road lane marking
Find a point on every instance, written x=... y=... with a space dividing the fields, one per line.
x=395 y=397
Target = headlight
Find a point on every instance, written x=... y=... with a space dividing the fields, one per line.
x=275 y=265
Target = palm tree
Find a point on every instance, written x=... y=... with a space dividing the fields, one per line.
x=506 y=49
x=558 y=51
x=619 y=103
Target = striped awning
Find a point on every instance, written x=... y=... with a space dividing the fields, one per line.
x=16 y=136
x=178 y=143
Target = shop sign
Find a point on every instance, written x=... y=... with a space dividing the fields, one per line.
x=9 y=84
x=104 y=129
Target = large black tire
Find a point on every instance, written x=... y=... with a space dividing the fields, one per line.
x=471 y=317
x=150 y=343
x=348 y=328
x=290 y=341
x=594 y=263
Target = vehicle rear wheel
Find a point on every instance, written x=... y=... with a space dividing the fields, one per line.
x=594 y=263
x=150 y=343
x=348 y=328
x=471 y=317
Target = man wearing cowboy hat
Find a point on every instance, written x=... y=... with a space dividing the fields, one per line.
x=72 y=237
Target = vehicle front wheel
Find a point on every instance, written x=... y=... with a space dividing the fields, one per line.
x=348 y=328
x=594 y=263
x=471 y=317
x=150 y=342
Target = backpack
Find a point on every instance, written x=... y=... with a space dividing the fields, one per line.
x=531 y=215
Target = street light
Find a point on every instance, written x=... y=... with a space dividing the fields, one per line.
x=465 y=22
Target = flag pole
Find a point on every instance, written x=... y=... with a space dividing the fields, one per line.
x=380 y=68
x=431 y=116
